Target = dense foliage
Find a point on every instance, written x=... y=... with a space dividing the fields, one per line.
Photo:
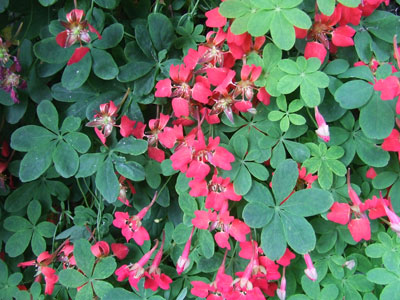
x=181 y=149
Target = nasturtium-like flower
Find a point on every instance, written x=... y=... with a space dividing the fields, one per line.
x=104 y=121
x=77 y=30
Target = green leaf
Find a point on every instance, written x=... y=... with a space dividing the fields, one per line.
x=299 y=152
x=242 y=182
x=16 y=224
x=46 y=229
x=111 y=36
x=390 y=292
x=284 y=124
x=325 y=176
x=282 y=32
x=284 y=179
x=273 y=241
x=326 y=6
x=161 y=31
x=30 y=137
x=394 y=195
x=83 y=256
x=275 y=115
x=289 y=66
x=259 y=171
x=259 y=193
x=336 y=167
x=289 y=83
x=47 y=2
x=310 y=93
x=104 y=268
x=104 y=65
x=354 y=94
x=66 y=160
x=131 y=170
x=79 y=141
x=188 y=204
x=75 y=75
x=38 y=243
x=88 y=164
x=240 y=145
x=206 y=242
x=72 y=278
x=120 y=293
x=106 y=181
x=49 y=51
x=297 y=17
x=33 y=212
x=85 y=293
x=369 y=152
x=377 y=118
x=308 y=202
x=134 y=70
x=381 y=276
x=257 y=214
x=362 y=43
x=350 y=3
x=48 y=115
x=109 y=4
x=70 y=124
x=259 y=23
x=18 y=242
x=36 y=162
x=297 y=119
x=298 y=232
x=20 y=197
x=234 y=8
x=131 y=146
x=336 y=67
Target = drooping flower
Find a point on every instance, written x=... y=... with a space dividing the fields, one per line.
x=77 y=30
x=323 y=128
x=104 y=121
x=100 y=249
x=183 y=261
x=135 y=272
x=310 y=271
x=154 y=278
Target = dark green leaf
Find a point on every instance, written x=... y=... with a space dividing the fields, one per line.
x=34 y=210
x=83 y=256
x=36 y=162
x=134 y=70
x=257 y=214
x=48 y=115
x=49 y=51
x=72 y=278
x=273 y=241
x=106 y=181
x=284 y=179
x=206 y=242
x=354 y=94
x=30 y=137
x=18 y=242
x=131 y=146
x=104 y=65
x=79 y=141
x=111 y=36
x=104 y=268
x=66 y=160
x=161 y=31
x=308 y=202
x=131 y=170
x=75 y=75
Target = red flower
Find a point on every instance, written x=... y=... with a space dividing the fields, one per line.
x=100 y=249
x=154 y=277
x=76 y=30
x=119 y=250
x=183 y=261
x=105 y=120
x=315 y=49
x=323 y=128
x=131 y=127
x=132 y=226
x=392 y=142
x=310 y=271
x=215 y=19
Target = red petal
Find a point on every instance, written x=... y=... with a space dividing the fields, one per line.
x=360 y=229
x=340 y=213
x=61 y=38
x=315 y=49
x=79 y=53
x=119 y=250
x=180 y=107
x=215 y=19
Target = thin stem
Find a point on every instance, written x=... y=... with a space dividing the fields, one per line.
x=311 y=117
x=81 y=190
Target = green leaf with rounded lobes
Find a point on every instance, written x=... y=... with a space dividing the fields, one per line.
x=104 y=268
x=259 y=171
x=131 y=170
x=49 y=51
x=308 y=202
x=16 y=224
x=70 y=124
x=299 y=152
x=325 y=176
x=289 y=66
x=104 y=65
x=36 y=162
x=297 y=17
x=48 y=115
x=284 y=179
x=71 y=278
x=18 y=242
x=327 y=7
x=83 y=256
x=273 y=241
x=33 y=211
x=101 y=288
x=46 y=229
x=381 y=276
x=134 y=70
x=88 y=164
x=78 y=140
x=257 y=214
x=354 y=94
x=75 y=75
x=336 y=167
x=259 y=23
x=207 y=245
x=38 y=243
x=289 y=83
x=282 y=32
x=161 y=31
x=242 y=182
x=111 y=36
x=370 y=153
x=106 y=181
x=298 y=232
x=377 y=118
x=234 y=8
x=259 y=193
x=310 y=93
x=30 y=137
x=66 y=160
x=131 y=146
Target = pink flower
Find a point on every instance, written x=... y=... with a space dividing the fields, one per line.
x=215 y=19
x=135 y=272
x=119 y=250
x=131 y=127
x=105 y=120
x=132 y=226
x=100 y=249
x=392 y=142
x=310 y=271
x=76 y=31
x=323 y=128
x=154 y=278
x=315 y=49
x=183 y=262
